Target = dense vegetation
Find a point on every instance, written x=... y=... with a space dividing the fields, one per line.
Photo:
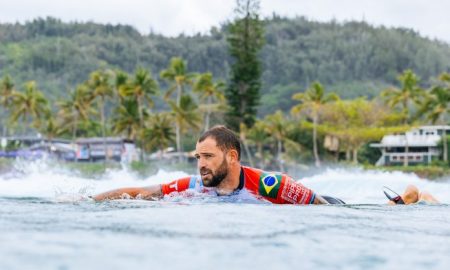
x=351 y=58
x=328 y=89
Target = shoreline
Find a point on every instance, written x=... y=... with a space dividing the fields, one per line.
x=145 y=169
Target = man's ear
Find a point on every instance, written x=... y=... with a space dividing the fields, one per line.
x=233 y=155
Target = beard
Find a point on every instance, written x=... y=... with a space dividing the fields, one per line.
x=217 y=177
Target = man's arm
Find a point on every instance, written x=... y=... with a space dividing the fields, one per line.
x=146 y=193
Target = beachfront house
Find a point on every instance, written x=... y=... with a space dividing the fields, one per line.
x=419 y=146
x=95 y=149
x=35 y=147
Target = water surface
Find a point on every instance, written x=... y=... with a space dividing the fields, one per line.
x=47 y=222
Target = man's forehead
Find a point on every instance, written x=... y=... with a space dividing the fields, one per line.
x=207 y=144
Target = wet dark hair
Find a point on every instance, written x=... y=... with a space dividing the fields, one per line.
x=225 y=138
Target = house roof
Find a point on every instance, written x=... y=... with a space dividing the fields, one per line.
x=409 y=140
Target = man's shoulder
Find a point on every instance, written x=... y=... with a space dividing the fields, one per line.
x=260 y=172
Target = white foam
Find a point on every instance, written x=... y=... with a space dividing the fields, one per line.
x=40 y=179
x=361 y=186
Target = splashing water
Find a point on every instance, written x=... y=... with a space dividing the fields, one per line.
x=40 y=179
x=48 y=222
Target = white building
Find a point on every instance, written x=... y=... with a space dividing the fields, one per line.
x=422 y=144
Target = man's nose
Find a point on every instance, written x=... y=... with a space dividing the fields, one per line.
x=200 y=162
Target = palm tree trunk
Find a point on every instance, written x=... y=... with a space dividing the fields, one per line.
x=141 y=127
x=208 y=113
x=279 y=150
x=406 y=158
x=445 y=145
x=74 y=133
x=178 y=138
x=261 y=159
x=315 y=150
x=247 y=150
x=355 y=156
x=102 y=115
x=177 y=125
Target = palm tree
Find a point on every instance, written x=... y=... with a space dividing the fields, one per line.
x=186 y=116
x=30 y=105
x=436 y=107
x=243 y=130
x=76 y=108
x=209 y=91
x=159 y=133
x=278 y=126
x=6 y=91
x=50 y=129
x=312 y=101
x=409 y=93
x=140 y=89
x=258 y=136
x=121 y=81
x=177 y=75
x=127 y=119
x=99 y=84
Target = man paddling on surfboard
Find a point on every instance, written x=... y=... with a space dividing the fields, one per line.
x=411 y=195
x=218 y=160
x=218 y=153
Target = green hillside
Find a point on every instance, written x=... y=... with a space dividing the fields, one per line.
x=352 y=58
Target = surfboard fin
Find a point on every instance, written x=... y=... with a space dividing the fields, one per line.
x=392 y=195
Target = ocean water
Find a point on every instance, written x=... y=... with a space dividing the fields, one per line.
x=47 y=221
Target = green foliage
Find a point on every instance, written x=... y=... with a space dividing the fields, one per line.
x=410 y=93
x=29 y=105
x=351 y=58
x=158 y=135
x=245 y=39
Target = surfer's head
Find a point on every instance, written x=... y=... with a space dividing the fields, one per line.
x=225 y=139
x=215 y=150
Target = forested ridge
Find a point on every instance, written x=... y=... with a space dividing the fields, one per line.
x=352 y=58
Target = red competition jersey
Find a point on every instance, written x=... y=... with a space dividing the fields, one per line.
x=272 y=186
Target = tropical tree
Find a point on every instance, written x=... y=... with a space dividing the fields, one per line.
x=50 y=128
x=29 y=105
x=78 y=107
x=6 y=91
x=101 y=89
x=127 y=119
x=243 y=130
x=409 y=93
x=121 y=81
x=141 y=88
x=259 y=136
x=311 y=102
x=437 y=107
x=209 y=92
x=158 y=133
x=186 y=116
x=245 y=41
x=178 y=77
x=357 y=122
x=278 y=126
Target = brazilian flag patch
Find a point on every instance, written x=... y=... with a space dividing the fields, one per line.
x=269 y=184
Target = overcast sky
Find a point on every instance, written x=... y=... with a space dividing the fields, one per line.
x=172 y=17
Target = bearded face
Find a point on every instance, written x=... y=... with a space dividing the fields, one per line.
x=213 y=177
